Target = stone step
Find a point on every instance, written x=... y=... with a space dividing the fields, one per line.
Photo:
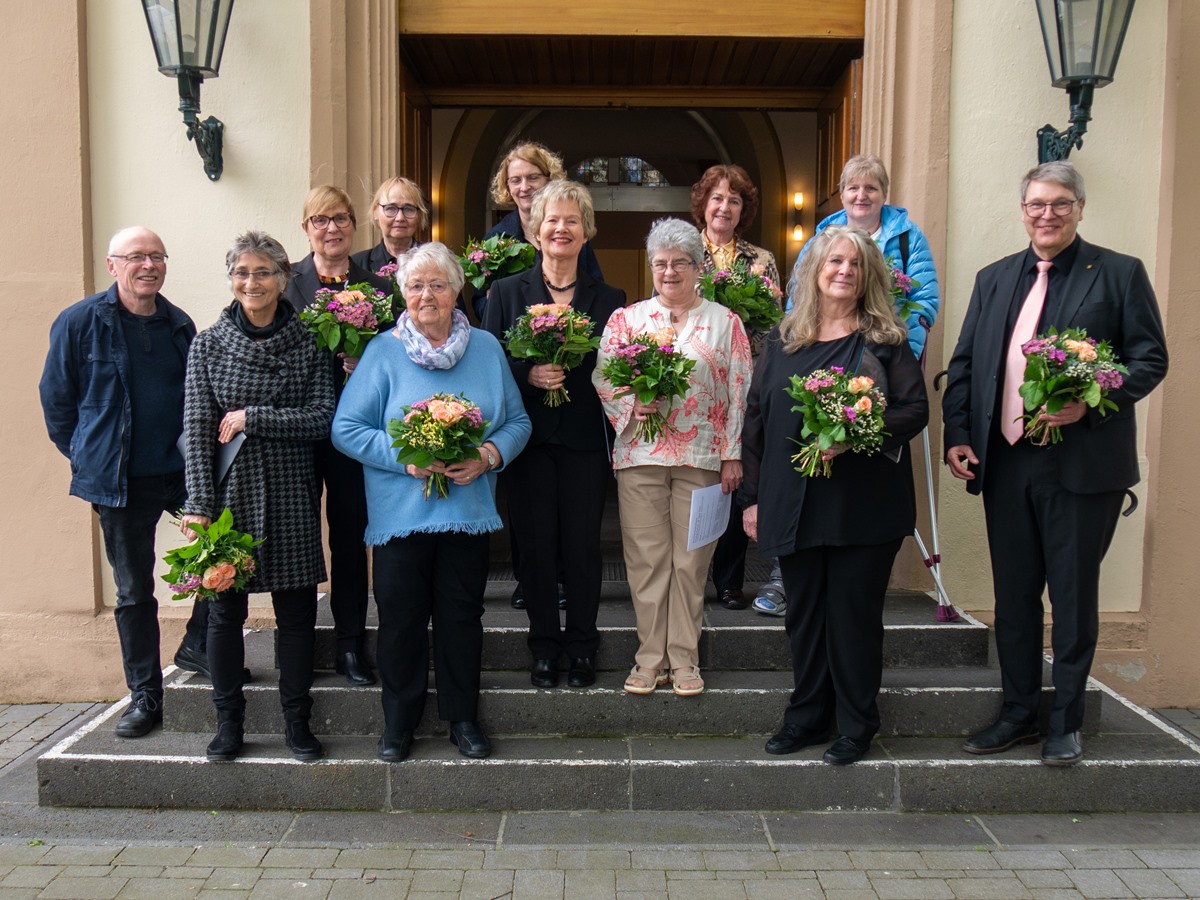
x=1133 y=762
x=730 y=639
x=916 y=702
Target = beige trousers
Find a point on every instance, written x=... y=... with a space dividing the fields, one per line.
x=667 y=582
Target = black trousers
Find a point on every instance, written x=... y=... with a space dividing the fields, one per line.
x=1041 y=535
x=346 y=515
x=556 y=502
x=438 y=575
x=295 y=623
x=129 y=545
x=834 y=623
x=729 y=557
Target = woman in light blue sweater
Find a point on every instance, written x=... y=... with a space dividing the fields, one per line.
x=430 y=556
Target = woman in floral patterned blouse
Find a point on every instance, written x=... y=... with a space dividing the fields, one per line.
x=701 y=447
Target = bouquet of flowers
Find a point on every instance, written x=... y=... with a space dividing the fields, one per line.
x=218 y=560
x=444 y=428
x=344 y=321
x=747 y=291
x=1061 y=367
x=650 y=368
x=496 y=257
x=901 y=290
x=553 y=333
x=388 y=272
x=837 y=409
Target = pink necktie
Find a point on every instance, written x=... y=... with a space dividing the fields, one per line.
x=1012 y=407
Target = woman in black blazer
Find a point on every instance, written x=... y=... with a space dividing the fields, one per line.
x=329 y=222
x=557 y=486
x=399 y=210
x=836 y=537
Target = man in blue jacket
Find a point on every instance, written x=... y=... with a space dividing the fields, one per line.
x=112 y=395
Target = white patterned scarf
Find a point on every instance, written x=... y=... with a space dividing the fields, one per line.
x=427 y=356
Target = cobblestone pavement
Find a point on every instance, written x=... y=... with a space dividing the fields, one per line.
x=163 y=854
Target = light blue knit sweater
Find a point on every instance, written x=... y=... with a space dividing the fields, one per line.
x=386 y=381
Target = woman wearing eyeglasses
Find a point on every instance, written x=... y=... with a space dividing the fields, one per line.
x=400 y=211
x=701 y=447
x=329 y=222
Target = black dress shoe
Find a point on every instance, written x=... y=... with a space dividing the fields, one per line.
x=1000 y=736
x=227 y=744
x=518 y=597
x=470 y=740
x=582 y=672
x=355 y=668
x=562 y=598
x=1062 y=749
x=544 y=673
x=792 y=738
x=192 y=660
x=734 y=599
x=140 y=717
x=846 y=750
x=395 y=749
x=302 y=742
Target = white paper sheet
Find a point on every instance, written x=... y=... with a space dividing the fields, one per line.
x=710 y=515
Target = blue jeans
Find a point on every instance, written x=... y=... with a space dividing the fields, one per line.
x=129 y=545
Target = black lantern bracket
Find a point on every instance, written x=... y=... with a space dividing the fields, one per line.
x=208 y=134
x=1057 y=145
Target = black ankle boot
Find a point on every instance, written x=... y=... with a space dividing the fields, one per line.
x=301 y=741
x=226 y=746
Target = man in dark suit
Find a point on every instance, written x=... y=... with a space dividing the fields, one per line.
x=1051 y=510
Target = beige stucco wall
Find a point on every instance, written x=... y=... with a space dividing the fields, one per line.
x=1000 y=96
x=145 y=171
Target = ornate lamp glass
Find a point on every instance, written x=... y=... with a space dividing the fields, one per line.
x=1083 y=41
x=189 y=39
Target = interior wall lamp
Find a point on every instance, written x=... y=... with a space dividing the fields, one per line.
x=797 y=208
x=189 y=39
x=1083 y=41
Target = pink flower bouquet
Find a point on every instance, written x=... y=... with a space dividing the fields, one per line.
x=445 y=428
x=650 y=367
x=552 y=333
x=484 y=261
x=901 y=290
x=218 y=560
x=747 y=291
x=1061 y=367
x=839 y=410
x=344 y=321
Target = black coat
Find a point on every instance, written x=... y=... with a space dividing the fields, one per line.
x=868 y=499
x=580 y=424
x=1107 y=293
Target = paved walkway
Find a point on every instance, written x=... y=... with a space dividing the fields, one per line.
x=163 y=854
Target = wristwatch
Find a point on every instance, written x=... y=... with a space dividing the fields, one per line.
x=491 y=458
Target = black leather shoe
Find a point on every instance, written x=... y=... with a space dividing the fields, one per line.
x=226 y=746
x=190 y=659
x=544 y=673
x=1062 y=749
x=846 y=750
x=792 y=738
x=562 y=598
x=582 y=672
x=518 y=597
x=302 y=742
x=140 y=717
x=734 y=599
x=1000 y=736
x=470 y=740
x=355 y=668
x=395 y=749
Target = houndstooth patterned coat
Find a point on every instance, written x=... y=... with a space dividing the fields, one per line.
x=285 y=386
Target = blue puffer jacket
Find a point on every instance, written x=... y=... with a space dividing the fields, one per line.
x=895 y=222
x=85 y=397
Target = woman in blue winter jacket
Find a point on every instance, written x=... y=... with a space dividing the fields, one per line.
x=864 y=190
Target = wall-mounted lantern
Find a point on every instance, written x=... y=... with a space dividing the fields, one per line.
x=1083 y=42
x=189 y=38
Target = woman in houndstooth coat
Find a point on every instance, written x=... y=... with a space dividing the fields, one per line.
x=257 y=371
